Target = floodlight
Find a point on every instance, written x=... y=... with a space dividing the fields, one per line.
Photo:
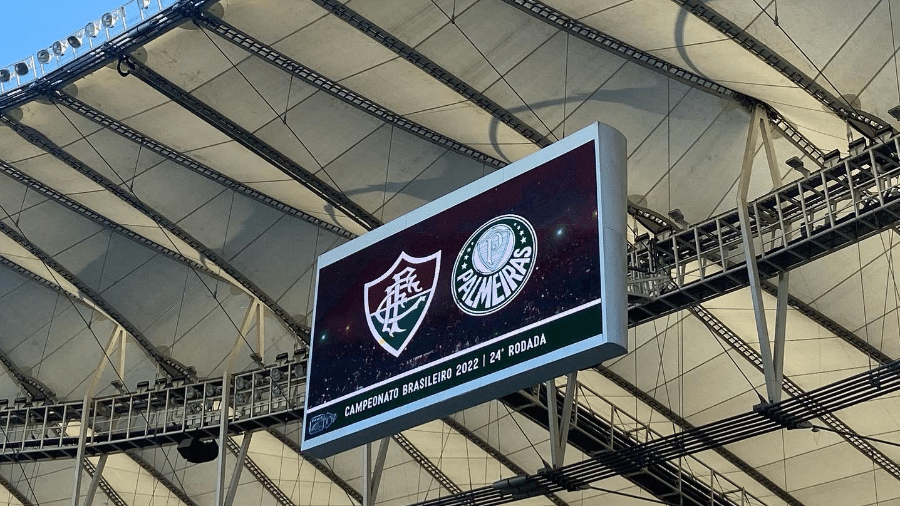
x=75 y=39
x=43 y=56
x=21 y=68
x=143 y=4
x=4 y=75
x=92 y=29
x=110 y=19
x=276 y=374
x=59 y=47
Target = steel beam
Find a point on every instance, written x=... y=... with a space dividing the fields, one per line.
x=146 y=142
x=685 y=425
x=103 y=221
x=96 y=476
x=257 y=146
x=725 y=334
x=233 y=275
x=162 y=479
x=33 y=387
x=496 y=454
x=559 y=423
x=759 y=310
x=241 y=457
x=865 y=123
x=170 y=366
x=280 y=497
x=103 y=54
x=102 y=483
x=15 y=492
x=349 y=97
x=371 y=473
x=434 y=70
x=46 y=283
x=426 y=464
x=322 y=468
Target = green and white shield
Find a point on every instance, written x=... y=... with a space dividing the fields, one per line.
x=398 y=300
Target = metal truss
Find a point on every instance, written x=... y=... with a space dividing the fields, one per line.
x=103 y=221
x=598 y=430
x=40 y=140
x=32 y=386
x=793 y=136
x=350 y=97
x=165 y=415
x=867 y=124
x=162 y=479
x=683 y=424
x=103 y=54
x=261 y=477
x=15 y=492
x=102 y=484
x=107 y=122
x=431 y=68
x=495 y=453
x=830 y=325
x=426 y=464
x=793 y=413
x=245 y=138
x=719 y=329
x=628 y=52
x=846 y=202
x=18 y=269
x=322 y=468
x=170 y=366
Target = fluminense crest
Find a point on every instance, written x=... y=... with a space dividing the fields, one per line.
x=398 y=300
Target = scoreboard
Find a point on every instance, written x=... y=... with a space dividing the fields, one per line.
x=506 y=282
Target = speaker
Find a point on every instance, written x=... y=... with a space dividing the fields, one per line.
x=196 y=452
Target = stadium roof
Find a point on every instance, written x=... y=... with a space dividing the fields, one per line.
x=177 y=177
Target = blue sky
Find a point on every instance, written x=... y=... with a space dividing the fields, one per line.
x=30 y=25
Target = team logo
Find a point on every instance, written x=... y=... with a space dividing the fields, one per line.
x=321 y=422
x=397 y=301
x=494 y=265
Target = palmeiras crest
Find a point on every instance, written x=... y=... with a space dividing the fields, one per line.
x=396 y=302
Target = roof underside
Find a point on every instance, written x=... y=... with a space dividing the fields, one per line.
x=169 y=200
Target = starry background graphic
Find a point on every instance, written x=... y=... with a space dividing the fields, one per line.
x=558 y=198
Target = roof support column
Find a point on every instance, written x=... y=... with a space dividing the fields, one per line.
x=372 y=474
x=95 y=480
x=560 y=423
x=238 y=467
x=118 y=335
x=771 y=367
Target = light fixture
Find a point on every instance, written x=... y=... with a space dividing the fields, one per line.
x=43 y=56
x=276 y=375
x=895 y=112
x=110 y=19
x=92 y=29
x=75 y=39
x=4 y=75
x=143 y=4
x=21 y=68
x=59 y=47
x=797 y=164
